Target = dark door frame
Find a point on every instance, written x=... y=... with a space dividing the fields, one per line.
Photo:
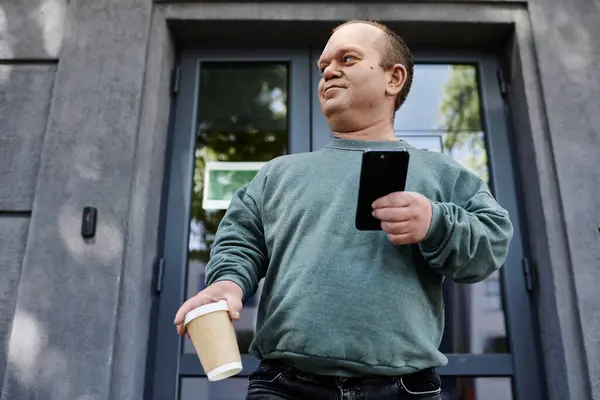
x=308 y=131
x=523 y=363
x=170 y=363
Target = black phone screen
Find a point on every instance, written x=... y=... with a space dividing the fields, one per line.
x=382 y=172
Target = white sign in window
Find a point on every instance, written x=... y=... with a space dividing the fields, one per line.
x=425 y=142
x=223 y=179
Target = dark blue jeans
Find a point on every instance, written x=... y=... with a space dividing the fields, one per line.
x=275 y=380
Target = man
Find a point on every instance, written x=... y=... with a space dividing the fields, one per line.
x=347 y=313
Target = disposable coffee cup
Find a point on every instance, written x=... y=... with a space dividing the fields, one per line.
x=213 y=336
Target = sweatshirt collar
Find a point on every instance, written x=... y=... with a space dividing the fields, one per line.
x=360 y=145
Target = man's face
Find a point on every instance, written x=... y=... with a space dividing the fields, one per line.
x=352 y=81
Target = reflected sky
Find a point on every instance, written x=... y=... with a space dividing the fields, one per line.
x=442 y=114
x=420 y=111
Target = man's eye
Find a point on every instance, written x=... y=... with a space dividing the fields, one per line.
x=348 y=59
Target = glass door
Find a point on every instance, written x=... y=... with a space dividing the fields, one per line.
x=236 y=110
x=455 y=107
x=233 y=114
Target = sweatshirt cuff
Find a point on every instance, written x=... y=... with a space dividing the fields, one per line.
x=436 y=232
x=237 y=281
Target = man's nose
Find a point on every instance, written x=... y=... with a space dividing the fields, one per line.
x=331 y=72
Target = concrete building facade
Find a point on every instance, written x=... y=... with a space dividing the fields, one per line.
x=102 y=105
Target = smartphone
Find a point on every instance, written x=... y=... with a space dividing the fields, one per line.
x=382 y=172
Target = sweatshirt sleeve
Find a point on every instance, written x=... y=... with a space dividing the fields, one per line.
x=239 y=253
x=468 y=241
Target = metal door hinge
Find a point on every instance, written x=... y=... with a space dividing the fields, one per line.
x=175 y=78
x=160 y=272
x=527 y=274
x=501 y=81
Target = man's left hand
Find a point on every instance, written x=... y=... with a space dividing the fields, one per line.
x=404 y=216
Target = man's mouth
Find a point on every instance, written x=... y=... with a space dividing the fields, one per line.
x=331 y=87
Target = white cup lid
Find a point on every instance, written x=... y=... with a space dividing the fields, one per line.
x=224 y=371
x=205 y=309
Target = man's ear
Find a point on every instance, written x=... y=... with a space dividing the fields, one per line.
x=397 y=78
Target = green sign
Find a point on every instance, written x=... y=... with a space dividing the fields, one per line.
x=222 y=179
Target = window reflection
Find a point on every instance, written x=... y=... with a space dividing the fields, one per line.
x=438 y=96
x=472 y=326
x=442 y=113
x=242 y=123
x=467 y=388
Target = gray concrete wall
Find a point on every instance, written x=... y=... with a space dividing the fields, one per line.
x=32 y=29
x=84 y=101
x=133 y=322
x=13 y=237
x=564 y=359
x=567 y=42
x=28 y=50
x=26 y=92
x=69 y=135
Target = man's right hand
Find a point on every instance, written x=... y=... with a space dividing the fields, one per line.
x=223 y=290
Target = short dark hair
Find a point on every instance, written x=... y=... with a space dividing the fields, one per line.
x=396 y=52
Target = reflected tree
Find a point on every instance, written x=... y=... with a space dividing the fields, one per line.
x=242 y=116
x=460 y=118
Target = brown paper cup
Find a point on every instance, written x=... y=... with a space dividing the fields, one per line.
x=213 y=336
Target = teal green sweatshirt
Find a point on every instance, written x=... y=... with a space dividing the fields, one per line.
x=338 y=301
